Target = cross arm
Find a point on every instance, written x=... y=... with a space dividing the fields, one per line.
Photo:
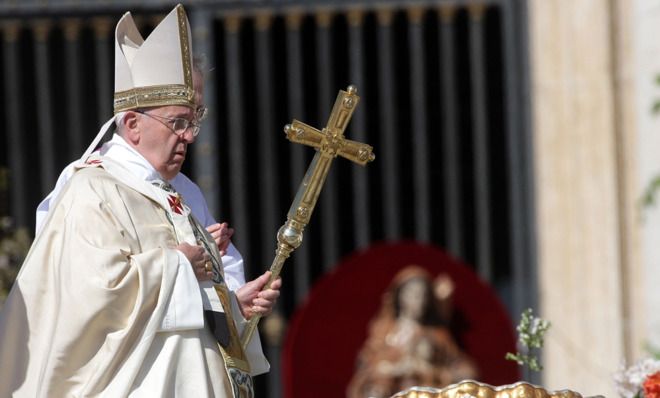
x=357 y=152
x=302 y=133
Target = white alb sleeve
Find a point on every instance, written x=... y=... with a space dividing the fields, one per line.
x=232 y=263
x=184 y=309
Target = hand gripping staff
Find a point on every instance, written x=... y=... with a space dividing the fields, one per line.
x=329 y=143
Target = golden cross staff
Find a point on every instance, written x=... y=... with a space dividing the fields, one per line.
x=329 y=144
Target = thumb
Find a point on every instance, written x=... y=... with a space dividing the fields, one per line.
x=262 y=280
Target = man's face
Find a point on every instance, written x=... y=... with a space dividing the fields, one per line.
x=165 y=150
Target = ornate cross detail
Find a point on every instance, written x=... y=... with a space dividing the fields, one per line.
x=329 y=143
x=331 y=139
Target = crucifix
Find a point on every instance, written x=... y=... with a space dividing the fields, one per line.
x=329 y=143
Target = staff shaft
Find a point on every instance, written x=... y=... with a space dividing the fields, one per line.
x=290 y=235
x=329 y=144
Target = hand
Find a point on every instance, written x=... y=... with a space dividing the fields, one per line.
x=221 y=234
x=199 y=260
x=254 y=301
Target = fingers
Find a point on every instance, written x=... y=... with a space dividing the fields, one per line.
x=261 y=281
x=213 y=228
x=221 y=234
x=217 y=238
x=201 y=253
x=202 y=267
x=277 y=284
x=267 y=295
x=273 y=292
x=227 y=233
x=254 y=301
x=222 y=246
x=203 y=275
x=262 y=307
x=203 y=272
x=262 y=311
x=220 y=230
x=265 y=301
x=194 y=254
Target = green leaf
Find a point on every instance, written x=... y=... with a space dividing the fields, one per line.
x=654 y=351
x=656 y=107
x=530 y=336
x=648 y=198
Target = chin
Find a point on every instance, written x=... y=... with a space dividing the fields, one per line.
x=170 y=173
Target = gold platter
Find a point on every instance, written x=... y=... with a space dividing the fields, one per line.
x=474 y=389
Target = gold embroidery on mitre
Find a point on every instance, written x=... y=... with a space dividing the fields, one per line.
x=185 y=49
x=144 y=97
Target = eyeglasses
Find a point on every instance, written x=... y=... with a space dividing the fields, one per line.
x=178 y=125
x=201 y=113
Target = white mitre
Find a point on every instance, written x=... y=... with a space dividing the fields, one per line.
x=152 y=72
x=156 y=71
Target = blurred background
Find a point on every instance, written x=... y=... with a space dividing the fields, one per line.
x=515 y=135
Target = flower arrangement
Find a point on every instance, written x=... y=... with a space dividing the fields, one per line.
x=531 y=331
x=641 y=380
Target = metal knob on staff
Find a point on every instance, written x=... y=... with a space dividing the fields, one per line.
x=329 y=143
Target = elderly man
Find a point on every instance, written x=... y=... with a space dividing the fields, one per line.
x=249 y=296
x=123 y=291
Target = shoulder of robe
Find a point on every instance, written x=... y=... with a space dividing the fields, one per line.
x=89 y=182
x=95 y=189
x=93 y=174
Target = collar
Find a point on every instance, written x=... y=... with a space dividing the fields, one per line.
x=119 y=150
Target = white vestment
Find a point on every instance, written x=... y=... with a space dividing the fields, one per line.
x=103 y=305
x=119 y=150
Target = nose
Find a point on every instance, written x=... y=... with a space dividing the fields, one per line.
x=187 y=136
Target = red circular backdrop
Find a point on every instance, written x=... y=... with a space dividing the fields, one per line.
x=328 y=329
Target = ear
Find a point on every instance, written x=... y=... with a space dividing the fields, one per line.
x=130 y=127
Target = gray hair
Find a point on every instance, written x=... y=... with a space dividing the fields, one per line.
x=119 y=119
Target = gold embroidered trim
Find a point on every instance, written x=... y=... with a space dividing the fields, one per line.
x=144 y=97
x=233 y=354
x=185 y=46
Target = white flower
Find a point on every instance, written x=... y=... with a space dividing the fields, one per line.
x=629 y=380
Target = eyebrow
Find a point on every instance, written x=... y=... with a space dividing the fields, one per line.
x=181 y=115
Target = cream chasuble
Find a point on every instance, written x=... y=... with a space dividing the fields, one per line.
x=86 y=314
x=117 y=149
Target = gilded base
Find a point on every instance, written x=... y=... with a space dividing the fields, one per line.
x=474 y=389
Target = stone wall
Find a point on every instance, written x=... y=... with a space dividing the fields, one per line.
x=593 y=66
